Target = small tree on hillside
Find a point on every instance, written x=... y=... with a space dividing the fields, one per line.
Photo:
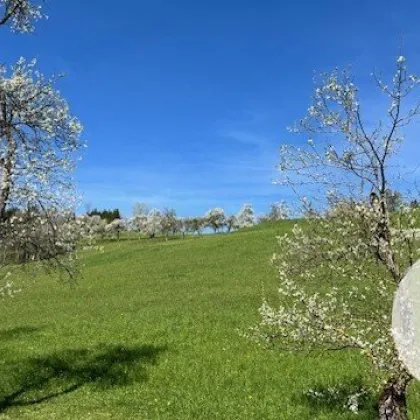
x=232 y=223
x=197 y=224
x=154 y=223
x=182 y=226
x=91 y=227
x=245 y=216
x=115 y=227
x=339 y=271
x=138 y=223
x=168 y=222
x=215 y=219
x=193 y=225
x=278 y=211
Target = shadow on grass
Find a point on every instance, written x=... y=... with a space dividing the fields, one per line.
x=349 y=395
x=17 y=332
x=44 y=378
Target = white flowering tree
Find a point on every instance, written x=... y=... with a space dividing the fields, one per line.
x=278 y=211
x=232 y=223
x=91 y=227
x=193 y=225
x=215 y=219
x=182 y=226
x=115 y=228
x=20 y=15
x=153 y=223
x=245 y=217
x=168 y=222
x=30 y=235
x=138 y=223
x=39 y=144
x=197 y=224
x=339 y=270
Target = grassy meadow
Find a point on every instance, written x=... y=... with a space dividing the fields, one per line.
x=152 y=331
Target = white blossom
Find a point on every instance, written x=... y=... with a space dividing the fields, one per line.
x=245 y=216
x=215 y=218
x=355 y=247
x=20 y=15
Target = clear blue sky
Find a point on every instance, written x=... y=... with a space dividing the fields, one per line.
x=185 y=103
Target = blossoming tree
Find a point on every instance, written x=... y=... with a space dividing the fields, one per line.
x=153 y=223
x=20 y=15
x=168 y=222
x=91 y=227
x=232 y=223
x=215 y=219
x=339 y=270
x=194 y=225
x=115 y=227
x=39 y=143
x=245 y=217
x=278 y=211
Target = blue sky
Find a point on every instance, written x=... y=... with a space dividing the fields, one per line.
x=185 y=103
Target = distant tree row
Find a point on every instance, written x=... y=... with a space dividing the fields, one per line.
x=152 y=222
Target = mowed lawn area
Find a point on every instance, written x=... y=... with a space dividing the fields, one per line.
x=152 y=331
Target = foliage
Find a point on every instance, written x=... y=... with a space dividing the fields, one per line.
x=278 y=211
x=215 y=219
x=232 y=223
x=245 y=217
x=115 y=227
x=359 y=248
x=20 y=15
x=153 y=222
x=168 y=222
x=40 y=142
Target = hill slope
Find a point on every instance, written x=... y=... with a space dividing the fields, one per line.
x=151 y=331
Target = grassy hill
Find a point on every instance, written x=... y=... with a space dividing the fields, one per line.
x=152 y=331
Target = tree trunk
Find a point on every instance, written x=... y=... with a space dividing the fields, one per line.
x=7 y=164
x=392 y=400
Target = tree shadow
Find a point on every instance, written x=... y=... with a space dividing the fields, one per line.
x=341 y=398
x=43 y=378
x=17 y=332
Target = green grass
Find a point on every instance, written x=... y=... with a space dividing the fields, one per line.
x=151 y=332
